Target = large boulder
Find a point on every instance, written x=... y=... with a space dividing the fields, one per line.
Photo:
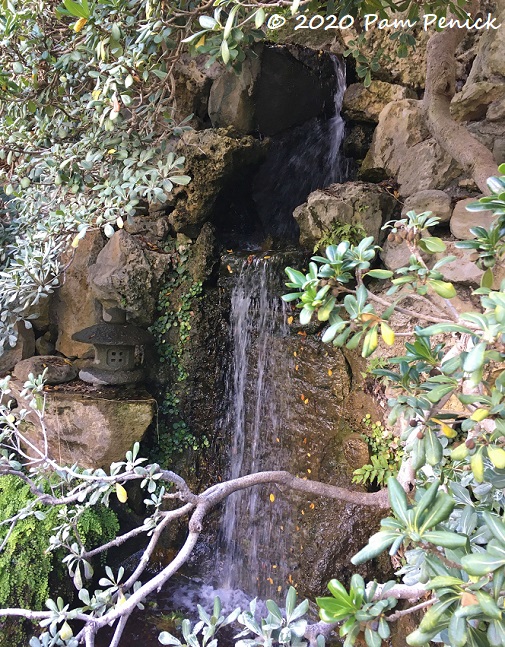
x=73 y=306
x=462 y=220
x=438 y=202
x=92 y=429
x=352 y=203
x=126 y=276
x=24 y=348
x=366 y=104
x=403 y=148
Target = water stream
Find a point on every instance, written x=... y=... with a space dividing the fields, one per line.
x=255 y=540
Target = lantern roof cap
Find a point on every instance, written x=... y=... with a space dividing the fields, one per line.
x=113 y=334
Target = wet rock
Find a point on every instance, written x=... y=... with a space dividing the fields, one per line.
x=438 y=202
x=153 y=226
x=58 y=369
x=366 y=104
x=24 y=348
x=471 y=104
x=203 y=254
x=92 y=429
x=214 y=157
x=462 y=220
x=126 y=276
x=351 y=203
x=357 y=143
x=73 y=306
x=403 y=147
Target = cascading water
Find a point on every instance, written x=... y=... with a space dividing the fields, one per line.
x=255 y=543
x=254 y=422
x=301 y=160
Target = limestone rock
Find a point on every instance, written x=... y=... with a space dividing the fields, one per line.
x=350 y=203
x=126 y=275
x=366 y=104
x=91 y=429
x=24 y=348
x=58 y=370
x=193 y=81
x=472 y=102
x=462 y=270
x=403 y=148
x=214 y=157
x=45 y=345
x=490 y=61
x=396 y=255
x=231 y=97
x=358 y=140
x=438 y=202
x=496 y=110
x=492 y=135
x=462 y=220
x=73 y=305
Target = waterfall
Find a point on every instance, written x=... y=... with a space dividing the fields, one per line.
x=253 y=520
x=255 y=543
x=303 y=159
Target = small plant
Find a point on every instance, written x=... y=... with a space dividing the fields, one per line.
x=386 y=454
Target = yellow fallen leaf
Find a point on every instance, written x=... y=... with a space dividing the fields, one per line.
x=201 y=42
x=330 y=372
x=272 y=498
x=229 y=269
x=290 y=320
x=279 y=589
x=121 y=493
x=306 y=401
x=80 y=24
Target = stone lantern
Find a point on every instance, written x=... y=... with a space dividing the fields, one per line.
x=116 y=345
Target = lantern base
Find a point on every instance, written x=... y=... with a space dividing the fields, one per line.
x=101 y=377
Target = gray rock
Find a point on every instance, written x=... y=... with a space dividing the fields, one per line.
x=462 y=220
x=438 y=202
x=351 y=203
x=73 y=306
x=403 y=147
x=92 y=429
x=24 y=348
x=44 y=345
x=58 y=369
x=231 y=97
x=366 y=104
x=462 y=270
x=126 y=276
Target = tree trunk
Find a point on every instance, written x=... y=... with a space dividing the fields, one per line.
x=454 y=138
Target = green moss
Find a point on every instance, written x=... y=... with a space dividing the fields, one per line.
x=28 y=571
x=338 y=232
x=171 y=332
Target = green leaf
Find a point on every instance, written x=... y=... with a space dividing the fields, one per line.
x=487 y=279
x=432 y=245
x=440 y=511
x=440 y=329
x=488 y=605
x=398 y=499
x=443 y=288
x=225 y=52
x=372 y=638
x=76 y=9
x=445 y=539
x=425 y=501
x=380 y=274
x=475 y=358
x=481 y=563
x=457 y=631
x=434 y=449
x=496 y=526
x=376 y=545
